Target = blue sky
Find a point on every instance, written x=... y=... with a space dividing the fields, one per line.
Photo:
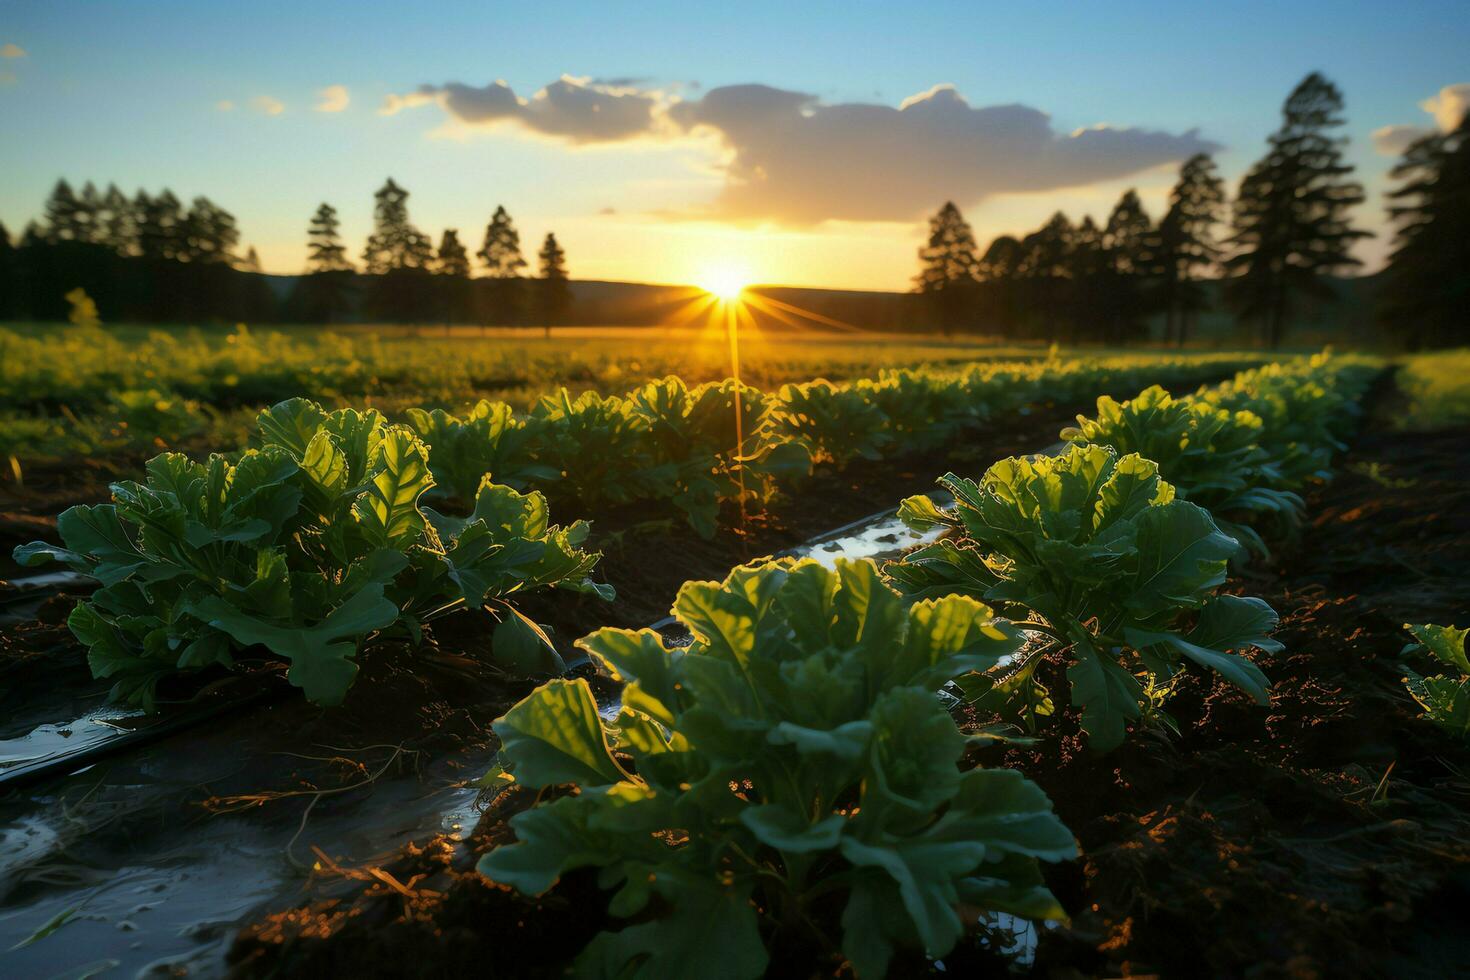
x=132 y=93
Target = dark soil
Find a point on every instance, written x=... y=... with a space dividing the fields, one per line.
x=1326 y=835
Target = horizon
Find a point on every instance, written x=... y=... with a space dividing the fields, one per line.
x=807 y=165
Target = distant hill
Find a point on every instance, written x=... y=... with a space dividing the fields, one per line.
x=1347 y=317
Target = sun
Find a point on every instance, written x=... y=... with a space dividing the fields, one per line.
x=724 y=281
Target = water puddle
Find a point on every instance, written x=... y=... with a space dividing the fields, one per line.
x=47 y=742
x=130 y=867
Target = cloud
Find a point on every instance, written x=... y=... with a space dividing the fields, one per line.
x=578 y=110
x=1449 y=106
x=334 y=98
x=798 y=160
x=12 y=50
x=1392 y=141
x=267 y=106
x=225 y=105
x=790 y=157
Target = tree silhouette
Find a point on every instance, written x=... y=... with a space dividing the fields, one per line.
x=209 y=233
x=999 y=270
x=88 y=214
x=553 y=291
x=504 y=263
x=1089 y=288
x=395 y=243
x=325 y=251
x=118 y=221
x=1119 y=302
x=1291 y=216
x=1185 y=243
x=452 y=260
x=501 y=252
x=62 y=221
x=160 y=222
x=949 y=262
x=251 y=262
x=452 y=270
x=1427 y=282
x=1045 y=270
x=324 y=294
x=399 y=256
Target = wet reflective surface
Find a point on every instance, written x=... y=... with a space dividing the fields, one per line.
x=146 y=863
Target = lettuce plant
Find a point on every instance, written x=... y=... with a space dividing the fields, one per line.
x=1211 y=455
x=306 y=545
x=1105 y=561
x=835 y=424
x=1445 y=698
x=488 y=439
x=791 y=762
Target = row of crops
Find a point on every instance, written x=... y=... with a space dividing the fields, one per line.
x=795 y=756
x=321 y=534
x=673 y=447
x=792 y=769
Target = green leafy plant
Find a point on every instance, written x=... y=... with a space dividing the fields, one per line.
x=1211 y=455
x=835 y=424
x=1107 y=564
x=304 y=547
x=1445 y=698
x=487 y=441
x=790 y=767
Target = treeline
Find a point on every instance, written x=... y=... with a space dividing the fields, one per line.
x=408 y=280
x=1289 y=231
x=145 y=257
x=149 y=258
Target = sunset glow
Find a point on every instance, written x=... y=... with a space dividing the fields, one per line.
x=725 y=281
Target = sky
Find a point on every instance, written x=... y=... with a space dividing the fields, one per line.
x=786 y=142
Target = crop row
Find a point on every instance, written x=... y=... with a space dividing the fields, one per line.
x=794 y=760
x=287 y=549
x=689 y=450
x=792 y=770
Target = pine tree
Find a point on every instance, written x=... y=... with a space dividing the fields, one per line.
x=1045 y=269
x=160 y=225
x=504 y=263
x=88 y=214
x=949 y=264
x=1185 y=243
x=1427 y=282
x=554 y=290
x=1119 y=295
x=62 y=221
x=1126 y=237
x=452 y=260
x=209 y=233
x=501 y=252
x=326 y=253
x=251 y=262
x=395 y=243
x=1291 y=216
x=119 y=225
